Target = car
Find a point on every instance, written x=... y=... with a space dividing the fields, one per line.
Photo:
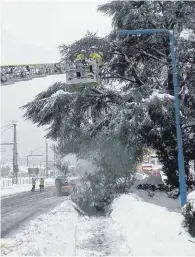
x=156 y=173
x=62 y=186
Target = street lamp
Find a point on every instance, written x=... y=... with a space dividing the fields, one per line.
x=176 y=101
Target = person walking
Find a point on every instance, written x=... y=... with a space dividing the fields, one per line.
x=41 y=184
x=33 y=184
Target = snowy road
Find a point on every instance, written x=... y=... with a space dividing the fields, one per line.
x=20 y=208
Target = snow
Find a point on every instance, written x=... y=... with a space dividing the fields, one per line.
x=164 y=178
x=51 y=234
x=161 y=96
x=150 y=230
x=60 y=92
x=62 y=232
x=191 y=200
x=50 y=103
x=152 y=180
x=158 y=95
x=52 y=99
x=99 y=237
x=134 y=228
x=15 y=189
x=140 y=176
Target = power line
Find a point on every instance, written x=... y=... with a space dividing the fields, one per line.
x=36 y=149
x=5 y=126
x=7 y=129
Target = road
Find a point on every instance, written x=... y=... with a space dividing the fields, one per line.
x=20 y=208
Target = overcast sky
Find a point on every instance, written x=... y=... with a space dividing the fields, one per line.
x=31 y=30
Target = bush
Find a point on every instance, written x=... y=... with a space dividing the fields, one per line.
x=94 y=194
x=91 y=198
x=174 y=193
x=189 y=214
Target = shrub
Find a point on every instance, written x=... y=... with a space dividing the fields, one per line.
x=189 y=214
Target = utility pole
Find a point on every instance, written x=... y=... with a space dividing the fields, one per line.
x=15 y=155
x=46 y=164
x=53 y=148
x=54 y=161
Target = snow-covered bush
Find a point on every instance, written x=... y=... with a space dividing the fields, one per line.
x=189 y=214
x=83 y=198
x=95 y=192
x=174 y=193
x=93 y=196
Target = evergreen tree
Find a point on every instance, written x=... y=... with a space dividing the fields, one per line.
x=139 y=113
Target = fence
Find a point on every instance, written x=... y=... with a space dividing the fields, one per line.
x=6 y=182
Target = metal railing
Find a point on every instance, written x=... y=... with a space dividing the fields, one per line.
x=15 y=73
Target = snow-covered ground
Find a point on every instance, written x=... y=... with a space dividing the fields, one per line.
x=139 y=225
x=135 y=228
x=62 y=232
x=151 y=230
x=99 y=237
x=5 y=182
x=15 y=189
x=51 y=234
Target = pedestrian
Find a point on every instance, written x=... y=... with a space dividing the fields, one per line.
x=41 y=184
x=33 y=184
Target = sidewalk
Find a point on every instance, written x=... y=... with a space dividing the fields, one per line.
x=151 y=230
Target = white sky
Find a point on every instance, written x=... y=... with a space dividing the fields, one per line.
x=31 y=30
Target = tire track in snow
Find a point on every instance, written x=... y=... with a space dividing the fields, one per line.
x=17 y=209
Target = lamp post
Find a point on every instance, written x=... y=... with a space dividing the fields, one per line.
x=176 y=101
